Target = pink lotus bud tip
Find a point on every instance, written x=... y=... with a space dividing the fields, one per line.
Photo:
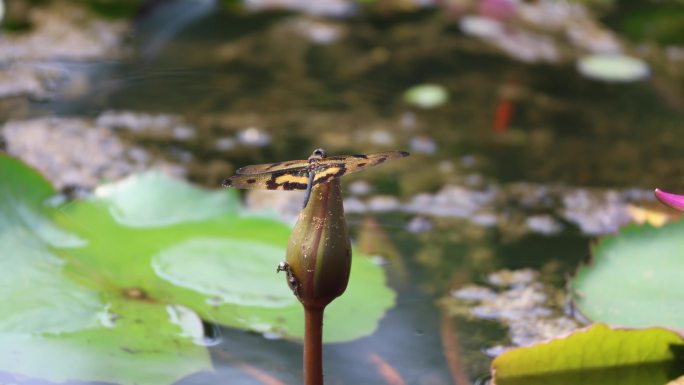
x=672 y=200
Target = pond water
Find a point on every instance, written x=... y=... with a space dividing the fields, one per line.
x=520 y=168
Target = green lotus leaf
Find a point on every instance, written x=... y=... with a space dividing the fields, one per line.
x=596 y=355
x=58 y=329
x=113 y=288
x=136 y=201
x=635 y=278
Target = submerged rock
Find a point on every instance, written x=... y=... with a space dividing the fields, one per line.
x=543 y=224
x=597 y=212
x=360 y=187
x=451 y=201
x=532 y=31
x=509 y=278
x=517 y=43
x=253 y=137
x=160 y=126
x=335 y=8
x=73 y=152
x=419 y=225
x=482 y=27
x=519 y=208
x=531 y=310
x=36 y=80
x=474 y=293
x=318 y=31
x=383 y=203
x=32 y=61
x=64 y=31
x=423 y=145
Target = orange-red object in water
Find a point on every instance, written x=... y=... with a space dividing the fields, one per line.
x=451 y=351
x=503 y=115
x=260 y=375
x=388 y=373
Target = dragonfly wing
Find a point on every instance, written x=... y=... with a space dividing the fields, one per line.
x=271 y=167
x=337 y=166
x=296 y=179
x=294 y=174
x=326 y=172
x=361 y=162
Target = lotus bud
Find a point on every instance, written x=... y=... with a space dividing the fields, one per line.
x=673 y=200
x=319 y=251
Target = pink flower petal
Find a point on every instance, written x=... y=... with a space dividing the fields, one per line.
x=673 y=200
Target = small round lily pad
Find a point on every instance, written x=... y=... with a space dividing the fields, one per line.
x=613 y=68
x=426 y=96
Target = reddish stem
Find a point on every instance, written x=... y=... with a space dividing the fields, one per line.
x=313 y=346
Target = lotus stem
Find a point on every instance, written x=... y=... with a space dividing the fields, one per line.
x=313 y=345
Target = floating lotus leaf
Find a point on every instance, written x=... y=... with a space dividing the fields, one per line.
x=112 y=288
x=426 y=96
x=596 y=355
x=635 y=278
x=613 y=68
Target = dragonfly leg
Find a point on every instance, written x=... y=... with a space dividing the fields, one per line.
x=292 y=282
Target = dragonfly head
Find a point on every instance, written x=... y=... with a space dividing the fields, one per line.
x=318 y=154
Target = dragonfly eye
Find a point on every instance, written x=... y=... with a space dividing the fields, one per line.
x=318 y=153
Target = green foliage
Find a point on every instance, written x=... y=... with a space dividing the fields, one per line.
x=635 y=278
x=596 y=355
x=112 y=288
x=12 y=25
x=644 y=21
x=115 y=9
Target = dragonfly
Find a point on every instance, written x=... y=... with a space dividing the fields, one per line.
x=305 y=174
